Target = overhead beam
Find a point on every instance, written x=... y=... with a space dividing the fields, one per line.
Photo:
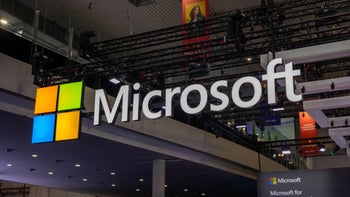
x=310 y=54
x=321 y=86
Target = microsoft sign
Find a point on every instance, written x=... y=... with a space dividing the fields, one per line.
x=124 y=100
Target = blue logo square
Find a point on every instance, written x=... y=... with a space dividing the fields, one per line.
x=43 y=128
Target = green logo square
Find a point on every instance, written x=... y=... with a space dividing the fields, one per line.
x=70 y=96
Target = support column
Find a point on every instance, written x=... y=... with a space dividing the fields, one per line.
x=158 y=180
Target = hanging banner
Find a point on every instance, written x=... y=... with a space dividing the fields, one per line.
x=307 y=130
x=195 y=13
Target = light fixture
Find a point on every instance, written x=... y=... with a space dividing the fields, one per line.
x=203 y=194
x=35 y=155
x=77 y=165
x=113 y=185
x=4 y=21
x=165 y=185
x=185 y=190
x=249 y=59
x=241 y=126
x=286 y=151
x=114 y=80
x=138 y=190
x=112 y=173
x=321 y=147
x=50 y=173
x=9 y=165
x=141 y=180
x=278 y=109
x=84 y=180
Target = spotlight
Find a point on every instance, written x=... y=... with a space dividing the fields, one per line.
x=321 y=147
x=234 y=29
x=217 y=132
x=325 y=10
x=85 y=40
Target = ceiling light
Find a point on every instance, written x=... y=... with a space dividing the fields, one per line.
x=50 y=173
x=249 y=59
x=286 y=151
x=9 y=149
x=114 y=80
x=9 y=165
x=241 y=126
x=203 y=194
x=35 y=155
x=138 y=190
x=278 y=109
x=77 y=165
x=113 y=185
x=141 y=180
x=112 y=173
x=165 y=185
x=3 y=21
x=84 y=180
x=185 y=190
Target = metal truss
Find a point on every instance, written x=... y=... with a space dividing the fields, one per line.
x=162 y=52
x=146 y=57
x=295 y=142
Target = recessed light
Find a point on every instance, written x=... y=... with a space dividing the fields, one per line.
x=35 y=155
x=9 y=165
x=77 y=165
x=84 y=180
x=249 y=59
x=203 y=194
x=165 y=185
x=138 y=190
x=3 y=21
x=185 y=190
x=113 y=185
x=112 y=173
x=50 y=173
x=141 y=180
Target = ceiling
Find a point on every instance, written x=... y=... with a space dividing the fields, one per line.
x=114 y=19
x=98 y=158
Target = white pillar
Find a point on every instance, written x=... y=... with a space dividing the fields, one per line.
x=158 y=181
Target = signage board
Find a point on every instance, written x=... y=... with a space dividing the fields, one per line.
x=305 y=183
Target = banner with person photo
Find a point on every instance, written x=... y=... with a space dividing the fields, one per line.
x=195 y=14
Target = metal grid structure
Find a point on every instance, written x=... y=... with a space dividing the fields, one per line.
x=146 y=58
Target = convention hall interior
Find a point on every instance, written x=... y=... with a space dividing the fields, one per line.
x=171 y=105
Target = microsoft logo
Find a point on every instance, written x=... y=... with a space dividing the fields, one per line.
x=273 y=181
x=57 y=112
